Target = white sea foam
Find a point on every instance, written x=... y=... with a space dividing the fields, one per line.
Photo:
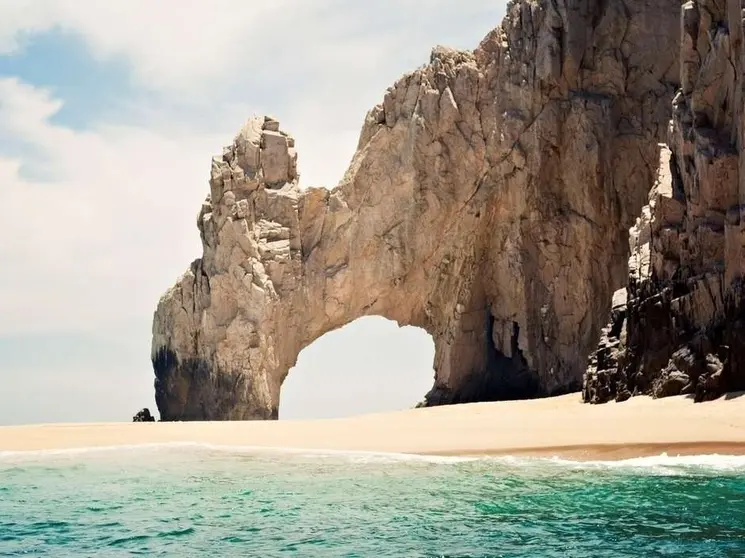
x=706 y=461
x=357 y=456
x=348 y=455
x=662 y=464
x=6 y=455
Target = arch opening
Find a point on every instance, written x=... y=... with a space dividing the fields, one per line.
x=369 y=365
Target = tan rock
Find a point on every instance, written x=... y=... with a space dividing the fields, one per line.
x=488 y=202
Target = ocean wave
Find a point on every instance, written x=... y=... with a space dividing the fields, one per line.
x=662 y=463
x=708 y=461
x=357 y=456
x=353 y=455
x=63 y=452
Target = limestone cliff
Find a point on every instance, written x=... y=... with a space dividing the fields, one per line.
x=489 y=203
x=683 y=329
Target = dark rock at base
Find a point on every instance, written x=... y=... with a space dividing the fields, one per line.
x=143 y=416
x=601 y=381
x=668 y=348
x=195 y=389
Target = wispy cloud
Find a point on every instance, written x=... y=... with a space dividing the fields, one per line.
x=174 y=44
x=90 y=244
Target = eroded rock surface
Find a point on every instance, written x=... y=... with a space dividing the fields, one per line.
x=685 y=324
x=489 y=203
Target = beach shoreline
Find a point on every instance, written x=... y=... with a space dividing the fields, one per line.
x=608 y=452
x=553 y=427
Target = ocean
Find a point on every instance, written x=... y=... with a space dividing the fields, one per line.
x=193 y=501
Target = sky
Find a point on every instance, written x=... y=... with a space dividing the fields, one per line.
x=110 y=113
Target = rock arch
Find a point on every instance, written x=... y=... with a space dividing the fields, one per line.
x=488 y=203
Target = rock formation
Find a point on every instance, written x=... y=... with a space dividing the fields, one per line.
x=143 y=415
x=683 y=329
x=488 y=202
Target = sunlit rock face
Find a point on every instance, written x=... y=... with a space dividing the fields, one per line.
x=683 y=328
x=488 y=202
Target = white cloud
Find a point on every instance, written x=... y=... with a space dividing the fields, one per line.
x=317 y=65
x=118 y=219
x=20 y=19
x=173 y=44
x=165 y=41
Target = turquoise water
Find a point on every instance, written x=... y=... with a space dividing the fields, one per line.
x=197 y=501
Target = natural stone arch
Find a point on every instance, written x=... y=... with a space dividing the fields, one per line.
x=488 y=203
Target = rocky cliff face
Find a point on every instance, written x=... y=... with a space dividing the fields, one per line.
x=489 y=203
x=683 y=330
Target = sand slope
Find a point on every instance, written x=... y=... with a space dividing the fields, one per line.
x=556 y=426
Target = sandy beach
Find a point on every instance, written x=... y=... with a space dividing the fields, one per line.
x=560 y=426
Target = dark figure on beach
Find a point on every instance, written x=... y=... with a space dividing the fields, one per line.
x=143 y=416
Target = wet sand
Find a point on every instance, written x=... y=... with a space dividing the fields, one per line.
x=560 y=426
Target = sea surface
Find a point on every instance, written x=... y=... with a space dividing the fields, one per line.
x=194 y=501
